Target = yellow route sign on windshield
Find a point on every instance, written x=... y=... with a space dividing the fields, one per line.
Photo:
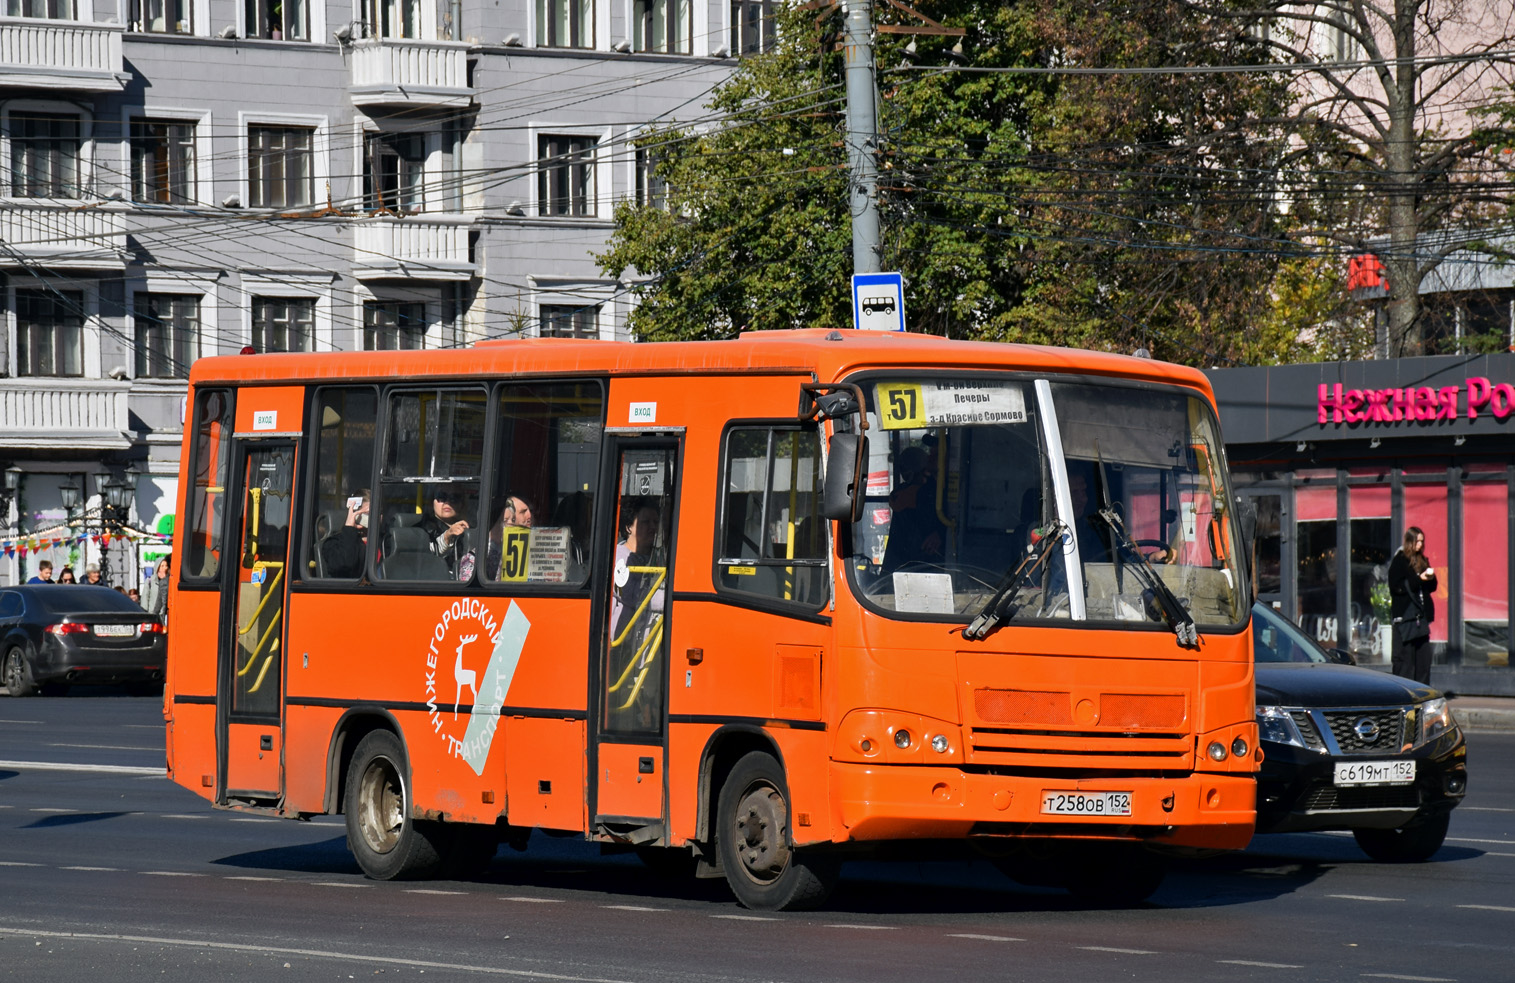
x=948 y=403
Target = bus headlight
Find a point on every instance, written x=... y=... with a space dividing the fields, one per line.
x=939 y=743
x=902 y=738
x=1217 y=751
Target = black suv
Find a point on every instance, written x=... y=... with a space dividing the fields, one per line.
x=1346 y=747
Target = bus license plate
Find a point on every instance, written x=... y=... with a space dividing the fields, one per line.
x=1375 y=772
x=115 y=631
x=1055 y=803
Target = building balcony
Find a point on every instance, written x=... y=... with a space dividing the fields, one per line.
x=415 y=247
x=49 y=413
x=404 y=72
x=62 y=55
x=44 y=232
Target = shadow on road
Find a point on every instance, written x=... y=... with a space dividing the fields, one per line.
x=73 y=819
x=325 y=857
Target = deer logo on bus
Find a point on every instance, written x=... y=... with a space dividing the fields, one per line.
x=464 y=677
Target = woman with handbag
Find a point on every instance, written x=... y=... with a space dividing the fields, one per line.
x=1412 y=582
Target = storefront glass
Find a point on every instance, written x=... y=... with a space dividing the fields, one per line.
x=1315 y=528
x=1369 y=529
x=1486 y=571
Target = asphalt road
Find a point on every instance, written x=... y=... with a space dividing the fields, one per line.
x=108 y=871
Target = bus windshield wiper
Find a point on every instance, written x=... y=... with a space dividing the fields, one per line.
x=1162 y=598
x=1001 y=606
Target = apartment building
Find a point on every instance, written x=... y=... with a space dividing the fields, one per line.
x=182 y=178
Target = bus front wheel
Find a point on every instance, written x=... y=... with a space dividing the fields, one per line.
x=765 y=871
x=386 y=842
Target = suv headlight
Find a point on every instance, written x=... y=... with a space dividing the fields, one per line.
x=1274 y=724
x=1435 y=720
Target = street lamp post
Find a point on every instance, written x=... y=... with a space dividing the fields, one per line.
x=116 y=496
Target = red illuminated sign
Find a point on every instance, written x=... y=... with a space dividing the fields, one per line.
x=1337 y=404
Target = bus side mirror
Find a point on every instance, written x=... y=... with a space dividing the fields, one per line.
x=842 y=495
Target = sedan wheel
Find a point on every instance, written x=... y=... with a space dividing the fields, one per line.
x=18 y=674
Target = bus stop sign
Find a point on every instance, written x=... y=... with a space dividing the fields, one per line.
x=878 y=301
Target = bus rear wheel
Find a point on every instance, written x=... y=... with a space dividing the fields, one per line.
x=387 y=843
x=763 y=868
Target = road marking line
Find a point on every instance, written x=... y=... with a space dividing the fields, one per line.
x=1469 y=839
x=537 y=900
x=336 y=884
x=109 y=747
x=983 y=938
x=427 y=890
x=1417 y=979
x=745 y=918
x=44 y=809
x=1491 y=853
x=1361 y=897
x=313 y=953
x=244 y=819
x=1486 y=907
x=866 y=928
x=171 y=873
x=1249 y=962
x=1125 y=952
x=1485 y=809
x=90 y=868
x=184 y=815
x=630 y=907
x=17 y=863
x=249 y=877
x=65 y=766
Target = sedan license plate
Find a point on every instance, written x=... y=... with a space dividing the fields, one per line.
x=1056 y=803
x=115 y=631
x=1375 y=772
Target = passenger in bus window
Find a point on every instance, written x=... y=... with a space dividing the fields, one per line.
x=637 y=549
x=342 y=551
x=443 y=527
x=573 y=513
x=515 y=514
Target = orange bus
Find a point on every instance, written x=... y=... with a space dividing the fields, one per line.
x=745 y=607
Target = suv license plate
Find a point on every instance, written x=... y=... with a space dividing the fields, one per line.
x=115 y=631
x=1375 y=772
x=1055 y=803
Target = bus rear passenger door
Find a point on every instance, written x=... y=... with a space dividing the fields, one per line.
x=250 y=696
x=631 y=722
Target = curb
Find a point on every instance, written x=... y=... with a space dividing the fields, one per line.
x=1479 y=720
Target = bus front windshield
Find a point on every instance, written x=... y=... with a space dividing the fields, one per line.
x=1060 y=501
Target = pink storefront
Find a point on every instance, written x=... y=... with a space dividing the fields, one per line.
x=1341 y=457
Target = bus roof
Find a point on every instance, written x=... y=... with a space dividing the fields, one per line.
x=827 y=353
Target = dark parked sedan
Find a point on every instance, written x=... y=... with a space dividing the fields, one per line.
x=52 y=635
x=1351 y=748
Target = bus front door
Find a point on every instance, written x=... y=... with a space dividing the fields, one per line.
x=630 y=737
x=249 y=698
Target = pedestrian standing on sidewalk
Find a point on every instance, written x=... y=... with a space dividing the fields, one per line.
x=1412 y=584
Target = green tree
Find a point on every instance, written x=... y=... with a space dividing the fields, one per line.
x=1109 y=211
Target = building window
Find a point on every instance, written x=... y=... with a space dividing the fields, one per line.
x=163 y=162
x=652 y=189
x=565 y=175
x=393 y=326
x=168 y=335
x=45 y=152
x=395 y=18
x=49 y=332
x=47 y=9
x=392 y=167
x=284 y=324
x=752 y=26
x=162 y=16
x=663 y=25
x=569 y=321
x=565 y=23
x=278 y=20
x=1340 y=44
x=280 y=166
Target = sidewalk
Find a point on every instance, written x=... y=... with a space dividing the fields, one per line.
x=1485 y=714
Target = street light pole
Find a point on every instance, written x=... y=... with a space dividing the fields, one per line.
x=862 y=136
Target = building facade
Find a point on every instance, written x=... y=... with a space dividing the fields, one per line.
x=1341 y=457
x=185 y=178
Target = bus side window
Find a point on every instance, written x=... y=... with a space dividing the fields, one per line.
x=546 y=466
x=344 y=460
x=211 y=457
x=773 y=538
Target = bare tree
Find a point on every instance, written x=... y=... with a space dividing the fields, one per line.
x=1398 y=133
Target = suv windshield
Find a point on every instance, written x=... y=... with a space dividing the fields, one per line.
x=969 y=474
